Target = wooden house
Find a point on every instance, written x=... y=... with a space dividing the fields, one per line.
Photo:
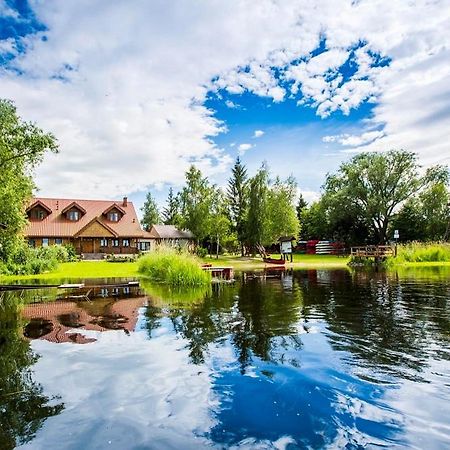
x=93 y=227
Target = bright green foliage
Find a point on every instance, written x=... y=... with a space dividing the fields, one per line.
x=196 y=202
x=220 y=225
x=169 y=266
x=257 y=212
x=150 y=212
x=238 y=198
x=171 y=213
x=374 y=185
x=423 y=252
x=32 y=261
x=281 y=214
x=22 y=147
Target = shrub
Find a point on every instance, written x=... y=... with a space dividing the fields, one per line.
x=32 y=261
x=176 y=268
x=201 y=252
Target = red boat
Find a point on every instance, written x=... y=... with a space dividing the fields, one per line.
x=274 y=261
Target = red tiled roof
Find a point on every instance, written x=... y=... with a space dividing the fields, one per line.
x=56 y=224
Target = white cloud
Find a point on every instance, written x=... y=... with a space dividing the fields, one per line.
x=354 y=140
x=258 y=133
x=242 y=148
x=123 y=88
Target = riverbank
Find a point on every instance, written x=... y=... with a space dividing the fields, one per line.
x=104 y=269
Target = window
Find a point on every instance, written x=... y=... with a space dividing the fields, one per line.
x=58 y=241
x=103 y=242
x=125 y=242
x=44 y=242
x=32 y=243
x=73 y=215
x=39 y=214
x=113 y=216
x=114 y=242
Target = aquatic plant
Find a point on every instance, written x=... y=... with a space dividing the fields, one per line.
x=170 y=266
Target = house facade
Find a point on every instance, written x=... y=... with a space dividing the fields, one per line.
x=93 y=227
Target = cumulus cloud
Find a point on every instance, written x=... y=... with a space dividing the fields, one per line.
x=124 y=88
x=242 y=148
x=258 y=133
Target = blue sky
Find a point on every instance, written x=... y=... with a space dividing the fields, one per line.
x=135 y=91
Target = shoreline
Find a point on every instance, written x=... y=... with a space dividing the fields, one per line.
x=103 y=269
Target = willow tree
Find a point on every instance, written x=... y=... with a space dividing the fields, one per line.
x=22 y=147
x=375 y=185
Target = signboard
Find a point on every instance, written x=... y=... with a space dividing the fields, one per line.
x=286 y=247
x=396 y=234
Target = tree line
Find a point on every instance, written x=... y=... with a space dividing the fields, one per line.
x=250 y=211
x=367 y=198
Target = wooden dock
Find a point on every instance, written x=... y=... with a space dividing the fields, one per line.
x=378 y=252
x=222 y=273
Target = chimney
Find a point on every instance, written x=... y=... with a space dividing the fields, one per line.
x=125 y=201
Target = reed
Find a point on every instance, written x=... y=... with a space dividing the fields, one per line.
x=423 y=252
x=169 y=266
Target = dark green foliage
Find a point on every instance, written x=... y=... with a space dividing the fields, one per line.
x=171 y=213
x=23 y=405
x=373 y=185
x=238 y=199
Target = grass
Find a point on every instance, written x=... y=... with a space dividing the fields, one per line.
x=104 y=269
x=422 y=254
x=177 y=269
x=82 y=269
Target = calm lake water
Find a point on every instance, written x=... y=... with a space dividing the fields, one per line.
x=280 y=360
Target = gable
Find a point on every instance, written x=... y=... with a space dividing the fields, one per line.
x=95 y=229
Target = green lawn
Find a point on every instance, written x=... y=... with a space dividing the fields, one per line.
x=83 y=269
x=300 y=261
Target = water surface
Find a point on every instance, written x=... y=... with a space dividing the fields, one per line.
x=303 y=359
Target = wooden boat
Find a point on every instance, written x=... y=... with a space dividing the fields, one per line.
x=274 y=261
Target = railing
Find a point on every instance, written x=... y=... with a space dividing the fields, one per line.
x=373 y=251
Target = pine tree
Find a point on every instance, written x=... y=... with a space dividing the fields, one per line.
x=150 y=212
x=237 y=196
x=171 y=214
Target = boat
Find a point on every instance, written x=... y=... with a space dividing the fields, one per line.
x=274 y=261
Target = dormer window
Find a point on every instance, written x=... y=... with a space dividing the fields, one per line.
x=73 y=212
x=73 y=215
x=114 y=213
x=38 y=211
x=113 y=216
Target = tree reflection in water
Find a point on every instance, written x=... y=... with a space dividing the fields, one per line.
x=23 y=406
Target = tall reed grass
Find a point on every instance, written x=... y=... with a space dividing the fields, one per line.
x=423 y=252
x=167 y=265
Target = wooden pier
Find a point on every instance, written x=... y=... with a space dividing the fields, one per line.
x=378 y=252
x=221 y=273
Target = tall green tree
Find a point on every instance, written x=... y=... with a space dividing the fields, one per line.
x=220 y=226
x=377 y=184
x=257 y=211
x=22 y=147
x=281 y=214
x=150 y=212
x=238 y=198
x=171 y=212
x=196 y=201
x=302 y=204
